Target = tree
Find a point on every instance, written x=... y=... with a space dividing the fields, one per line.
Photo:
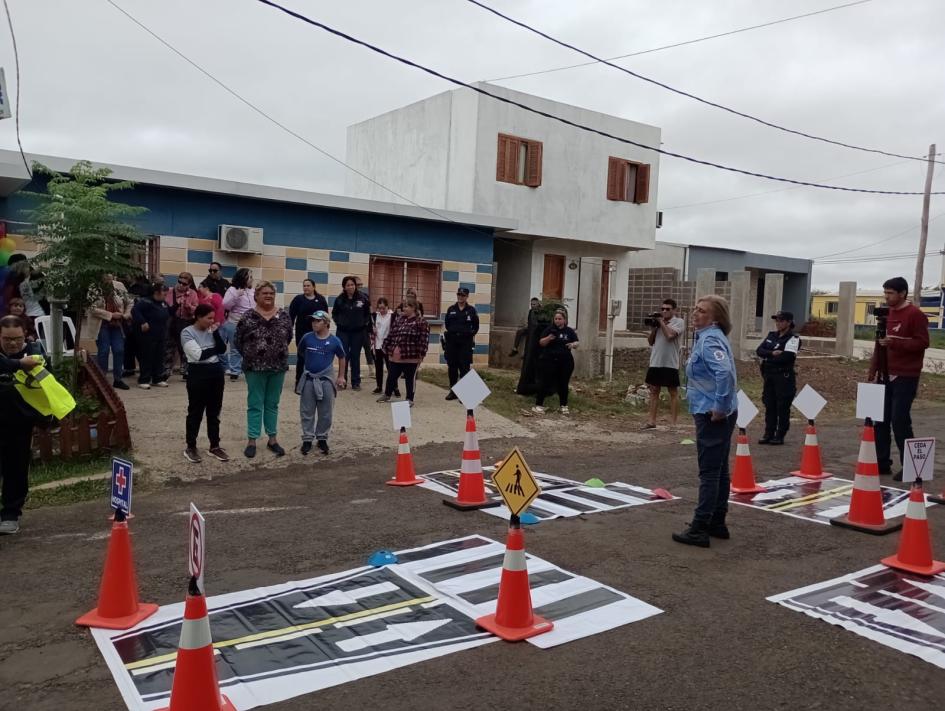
x=82 y=233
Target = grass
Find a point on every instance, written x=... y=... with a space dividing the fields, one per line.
x=74 y=492
x=59 y=470
x=70 y=494
x=868 y=333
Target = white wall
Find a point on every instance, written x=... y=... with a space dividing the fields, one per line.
x=663 y=254
x=513 y=281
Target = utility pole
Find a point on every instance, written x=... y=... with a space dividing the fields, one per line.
x=924 y=231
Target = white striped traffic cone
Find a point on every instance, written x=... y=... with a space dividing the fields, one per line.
x=915 y=543
x=405 y=474
x=472 y=489
x=811 y=466
x=866 y=502
x=743 y=474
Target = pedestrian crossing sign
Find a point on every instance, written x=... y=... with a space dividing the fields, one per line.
x=515 y=482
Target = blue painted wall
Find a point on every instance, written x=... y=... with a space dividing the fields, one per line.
x=187 y=213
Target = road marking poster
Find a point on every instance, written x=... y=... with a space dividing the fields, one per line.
x=817 y=501
x=899 y=610
x=286 y=640
x=559 y=498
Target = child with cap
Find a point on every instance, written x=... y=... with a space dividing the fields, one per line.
x=318 y=385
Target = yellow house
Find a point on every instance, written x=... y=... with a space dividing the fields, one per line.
x=828 y=306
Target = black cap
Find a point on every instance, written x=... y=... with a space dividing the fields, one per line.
x=462 y=290
x=784 y=316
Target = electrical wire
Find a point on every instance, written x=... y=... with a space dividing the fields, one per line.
x=16 y=109
x=683 y=43
x=881 y=241
x=688 y=95
x=568 y=122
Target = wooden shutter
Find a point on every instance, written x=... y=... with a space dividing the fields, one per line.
x=641 y=193
x=502 y=159
x=614 y=173
x=533 y=164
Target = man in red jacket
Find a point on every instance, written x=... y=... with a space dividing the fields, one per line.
x=907 y=337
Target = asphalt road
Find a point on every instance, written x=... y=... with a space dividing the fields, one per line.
x=718 y=645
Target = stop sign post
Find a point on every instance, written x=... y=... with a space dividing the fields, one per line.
x=197 y=550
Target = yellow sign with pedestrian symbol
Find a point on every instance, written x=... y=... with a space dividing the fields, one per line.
x=515 y=482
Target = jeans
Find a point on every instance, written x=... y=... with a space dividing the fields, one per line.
x=232 y=359
x=353 y=341
x=204 y=395
x=897 y=414
x=713 y=445
x=111 y=339
x=15 y=455
x=394 y=371
x=264 y=389
x=310 y=408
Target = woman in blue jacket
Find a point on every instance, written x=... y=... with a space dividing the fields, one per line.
x=711 y=388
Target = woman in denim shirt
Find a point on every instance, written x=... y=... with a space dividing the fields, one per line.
x=711 y=392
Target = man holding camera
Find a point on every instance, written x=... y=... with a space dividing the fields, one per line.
x=778 y=352
x=665 y=329
x=902 y=335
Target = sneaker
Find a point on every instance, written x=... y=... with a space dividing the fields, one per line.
x=376 y=391
x=219 y=453
x=162 y=384
x=276 y=449
x=234 y=376
x=120 y=385
x=564 y=410
x=450 y=395
x=250 y=451
x=323 y=446
x=306 y=447
x=539 y=410
x=384 y=398
x=9 y=526
x=144 y=386
x=191 y=455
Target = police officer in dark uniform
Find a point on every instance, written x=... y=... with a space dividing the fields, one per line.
x=778 y=352
x=459 y=330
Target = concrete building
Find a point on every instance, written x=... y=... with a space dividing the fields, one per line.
x=294 y=235
x=582 y=201
x=827 y=305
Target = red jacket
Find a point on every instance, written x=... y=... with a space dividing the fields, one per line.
x=908 y=331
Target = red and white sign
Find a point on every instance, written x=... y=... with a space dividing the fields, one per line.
x=197 y=550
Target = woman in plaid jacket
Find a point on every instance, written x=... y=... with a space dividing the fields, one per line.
x=405 y=347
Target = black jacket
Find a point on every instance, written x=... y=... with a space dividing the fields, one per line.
x=352 y=314
x=777 y=342
x=154 y=313
x=301 y=308
x=216 y=286
x=461 y=322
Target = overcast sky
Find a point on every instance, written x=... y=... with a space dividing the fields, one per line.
x=96 y=86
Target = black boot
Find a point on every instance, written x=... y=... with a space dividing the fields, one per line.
x=696 y=535
x=765 y=438
x=718 y=529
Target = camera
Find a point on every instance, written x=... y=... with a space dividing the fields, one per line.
x=882 y=314
x=653 y=320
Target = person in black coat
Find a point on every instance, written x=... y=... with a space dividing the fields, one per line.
x=149 y=318
x=301 y=307
x=778 y=352
x=460 y=327
x=351 y=313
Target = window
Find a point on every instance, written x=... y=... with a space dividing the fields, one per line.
x=721 y=276
x=833 y=307
x=518 y=161
x=628 y=181
x=391 y=277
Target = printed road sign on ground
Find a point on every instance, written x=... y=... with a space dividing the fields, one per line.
x=559 y=498
x=282 y=641
x=515 y=483
x=817 y=501
x=900 y=610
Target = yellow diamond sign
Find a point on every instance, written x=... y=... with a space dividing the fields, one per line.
x=515 y=482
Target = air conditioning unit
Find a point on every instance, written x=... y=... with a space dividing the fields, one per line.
x=233 y=238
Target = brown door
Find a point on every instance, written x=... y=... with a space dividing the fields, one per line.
x=604 y=294
x=552 y=284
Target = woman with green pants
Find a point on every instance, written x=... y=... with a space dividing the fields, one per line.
x=262 y=337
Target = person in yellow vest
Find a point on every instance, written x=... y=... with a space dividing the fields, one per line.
x=17 y=419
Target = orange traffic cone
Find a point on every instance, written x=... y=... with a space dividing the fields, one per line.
x=118 y=606
x=743 y=476
x=866 y=503
x=472 y=489
x=195 y=683
x=811 y=467
x=915 y=543
x=513 y=619
x=405 y=475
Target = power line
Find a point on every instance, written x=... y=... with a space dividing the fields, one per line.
x=682 y=44
x=873 y=244
x=16 y=109
x=688 y=95
x=568 y=122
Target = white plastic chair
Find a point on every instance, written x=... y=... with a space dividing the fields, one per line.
x=44 y=325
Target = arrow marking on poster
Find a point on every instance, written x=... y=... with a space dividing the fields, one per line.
x=337 y=598
x=896 y=618
x=928 y=587
x=404 y=632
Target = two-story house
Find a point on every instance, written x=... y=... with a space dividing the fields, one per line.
x=577 y=196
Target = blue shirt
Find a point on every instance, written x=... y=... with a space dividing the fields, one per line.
x=320 y=352
x=712 y=382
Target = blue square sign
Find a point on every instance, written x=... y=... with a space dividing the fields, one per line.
x=121 y=485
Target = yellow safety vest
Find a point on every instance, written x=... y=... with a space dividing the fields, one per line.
x=41 y=391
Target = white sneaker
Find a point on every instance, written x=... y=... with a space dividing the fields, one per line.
x=9 y=527
x=539 y=410
x=564 y=410
x=144 y=386
x=162 y=384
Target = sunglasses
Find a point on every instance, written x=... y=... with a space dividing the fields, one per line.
x=666 y=308
x=213 y=271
